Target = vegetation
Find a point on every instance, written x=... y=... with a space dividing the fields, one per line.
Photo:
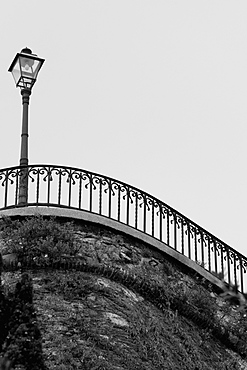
x=156 y=330
x=42 y=240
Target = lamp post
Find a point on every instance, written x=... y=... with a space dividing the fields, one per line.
x=25 y=68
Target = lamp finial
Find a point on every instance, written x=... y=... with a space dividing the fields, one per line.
x=26 y=51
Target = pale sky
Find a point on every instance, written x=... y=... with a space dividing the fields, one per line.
x=153 y=93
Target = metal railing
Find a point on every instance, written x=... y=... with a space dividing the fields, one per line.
x=66 y=187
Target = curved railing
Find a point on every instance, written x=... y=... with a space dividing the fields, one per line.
x=60 y=186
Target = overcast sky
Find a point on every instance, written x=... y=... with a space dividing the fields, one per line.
x=153 y=93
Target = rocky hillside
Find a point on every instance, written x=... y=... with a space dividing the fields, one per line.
x=121 y=305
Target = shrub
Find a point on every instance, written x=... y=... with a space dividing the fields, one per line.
x=40 y=239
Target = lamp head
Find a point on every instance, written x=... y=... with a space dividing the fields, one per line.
x=25 y=68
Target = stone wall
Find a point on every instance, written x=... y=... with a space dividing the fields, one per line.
x=130 y=287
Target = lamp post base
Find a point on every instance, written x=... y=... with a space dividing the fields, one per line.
x=23 y=186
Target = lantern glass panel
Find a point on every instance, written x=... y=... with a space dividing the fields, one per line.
x=16 y=72
x=29 y=67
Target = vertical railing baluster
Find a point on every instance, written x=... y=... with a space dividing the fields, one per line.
x=161 y=224
x=152 y=218
x=127 y=205
x=228 y=266
x=6 y=188
x=59 y=187
x=80 y=190
x=215 y=257
x=168 y=228
x=109 y=203
x=119 y=202
x=195 y=243
x=235 y=272
x=100 y=196
x=144 y=213
x=182 y=235
x=90 y=193
x=70 y=181
x=175 y=231
x=49 y=179
x=189 y=246
x=37 y=187
x=241 y=275
x=209 y=254
x=202 y=247
x=222 y=261
x=16 y=187
x=136 y=210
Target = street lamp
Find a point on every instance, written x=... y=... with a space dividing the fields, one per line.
x=25 y=68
